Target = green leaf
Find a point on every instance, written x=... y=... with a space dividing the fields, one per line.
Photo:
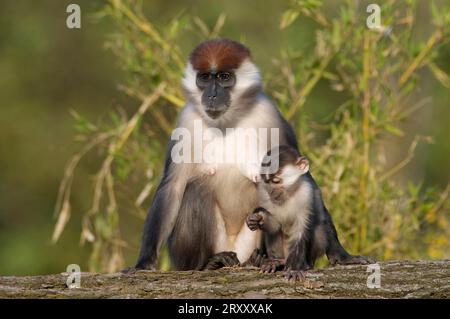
x=436 y=14
x=336 y=35
x=387 y=90
x=82 y=125
x=440 y=75
x=393 y=130
x=288 y=18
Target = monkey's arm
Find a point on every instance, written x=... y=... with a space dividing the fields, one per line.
x=300 y=257
x=273 y=235
x=162 y=214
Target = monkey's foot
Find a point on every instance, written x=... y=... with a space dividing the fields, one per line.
x=352 y=260
x=223 y=259
x=272 y=265
x=129 y=270
x=295 y=275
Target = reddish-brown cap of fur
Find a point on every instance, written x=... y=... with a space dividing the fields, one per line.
x=221 y=54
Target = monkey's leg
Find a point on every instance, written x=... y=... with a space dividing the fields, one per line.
x=272 y=239
x=160 y=220
x=299 y=259
x=335 y=252
x=191 y=243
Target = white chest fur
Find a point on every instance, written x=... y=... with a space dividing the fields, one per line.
x=294 y=214
x=236 y=161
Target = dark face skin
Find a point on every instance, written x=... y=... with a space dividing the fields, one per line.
x=216 y=86
x=275 y=188
x=274 y=185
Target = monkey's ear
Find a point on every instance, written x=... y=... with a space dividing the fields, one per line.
x=302 y=164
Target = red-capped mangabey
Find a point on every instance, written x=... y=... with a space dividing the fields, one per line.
x=202 y=216
x=296 y=225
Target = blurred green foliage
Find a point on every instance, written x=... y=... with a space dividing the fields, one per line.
x=366 y=106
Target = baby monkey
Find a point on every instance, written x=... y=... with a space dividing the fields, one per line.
x=297 y=227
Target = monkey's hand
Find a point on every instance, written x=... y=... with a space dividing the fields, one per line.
x=223 y=259
x=294 y=275
x=256 y=219
x=272 y=265
x=296 y=265
x=256 y=259
x=300 y=275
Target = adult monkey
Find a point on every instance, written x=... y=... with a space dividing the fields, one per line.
x=203 y=215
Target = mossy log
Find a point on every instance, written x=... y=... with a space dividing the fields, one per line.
x=399 y=279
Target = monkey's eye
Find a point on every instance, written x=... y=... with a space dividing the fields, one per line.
x=204 y=77
x=224 y=76
x=276 y=180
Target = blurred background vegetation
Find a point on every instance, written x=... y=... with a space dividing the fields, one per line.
x=370 y=108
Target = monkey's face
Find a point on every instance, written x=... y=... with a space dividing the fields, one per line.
x=220 y=78
x=276 y=190
x=215 y=87
x=280 y=184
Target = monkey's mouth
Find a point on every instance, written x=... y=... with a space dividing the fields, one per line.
x=215 y=113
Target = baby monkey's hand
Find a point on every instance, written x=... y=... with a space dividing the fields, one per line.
x=256 y=219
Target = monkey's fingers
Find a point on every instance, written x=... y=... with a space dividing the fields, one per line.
x=255 y=217
x=295 y=275
x=129 y=271
x=253 y=225
x=254 y=221
x=267 y=269
x=223 y=259
x=272 y=265
x=259 y=260
x=230 y=259
x=255 y=260
x=356 y=260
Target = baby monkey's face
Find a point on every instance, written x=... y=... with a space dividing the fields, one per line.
x=285 y=180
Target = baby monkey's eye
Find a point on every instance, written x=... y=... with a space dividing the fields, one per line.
x=276 y=180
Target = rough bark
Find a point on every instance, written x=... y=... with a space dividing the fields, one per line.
x=399 y=279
